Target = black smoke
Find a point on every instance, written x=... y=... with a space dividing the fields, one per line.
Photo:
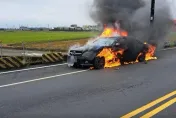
x=134 y=17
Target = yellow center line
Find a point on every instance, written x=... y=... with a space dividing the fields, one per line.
x=147 y=106
x=159 y=109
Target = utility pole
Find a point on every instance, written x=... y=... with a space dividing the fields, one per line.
x=152 y=18
x=152 y=14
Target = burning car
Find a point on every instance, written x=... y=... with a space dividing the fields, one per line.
x=88 y=54
x=112 y=48
x=105 y=52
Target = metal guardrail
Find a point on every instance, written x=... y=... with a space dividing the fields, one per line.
x=11 y=62
x=52 y=57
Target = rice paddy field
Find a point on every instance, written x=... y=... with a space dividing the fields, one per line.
x=11 y=37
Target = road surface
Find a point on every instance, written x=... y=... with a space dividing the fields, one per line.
x=60 y=92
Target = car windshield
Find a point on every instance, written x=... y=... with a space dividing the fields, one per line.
x=103 y=41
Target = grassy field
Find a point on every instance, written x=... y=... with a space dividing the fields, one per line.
x=31 y=36
x=172 y=36
x=51 y=40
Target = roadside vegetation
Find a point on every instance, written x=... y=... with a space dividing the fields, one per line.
x=53 y=40
x=172 y=36
x=11 y=37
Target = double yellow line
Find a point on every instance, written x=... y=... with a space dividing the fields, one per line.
x=151 y=104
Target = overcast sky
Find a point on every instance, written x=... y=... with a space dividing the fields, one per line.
x=43 y=12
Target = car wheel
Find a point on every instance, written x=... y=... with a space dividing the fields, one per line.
x=141 y=58
x=99 y=62
x=119 y=56
x=122 y=62
x=76 y=65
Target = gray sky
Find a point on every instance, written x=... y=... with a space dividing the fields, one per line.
x=43 y=12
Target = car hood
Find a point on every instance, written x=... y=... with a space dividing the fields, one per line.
x=88 y=48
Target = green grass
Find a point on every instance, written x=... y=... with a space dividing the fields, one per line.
x=31 y=36
x=172 y=36
x=8 y=37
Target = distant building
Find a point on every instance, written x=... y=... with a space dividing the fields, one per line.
x=23 y=28
x=91 y=27
x=74 y=25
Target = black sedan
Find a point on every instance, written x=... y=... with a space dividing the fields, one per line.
x=87 y=54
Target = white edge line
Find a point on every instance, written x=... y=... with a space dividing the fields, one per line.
x=32 y=68
x=39 y=79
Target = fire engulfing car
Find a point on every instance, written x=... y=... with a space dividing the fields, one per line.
x=105 y=52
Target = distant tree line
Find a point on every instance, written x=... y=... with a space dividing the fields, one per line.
x=73 y=27
x=2 y=29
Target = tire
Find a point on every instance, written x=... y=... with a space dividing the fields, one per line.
x=122 y=62
x=141 y=58
x=76 y=65
x=99 y=62
x=119 y=56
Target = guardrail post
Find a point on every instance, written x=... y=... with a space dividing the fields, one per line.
x=49 y=45
x=1 y=48
x=24 y=53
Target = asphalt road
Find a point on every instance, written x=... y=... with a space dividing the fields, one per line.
x=62 y=92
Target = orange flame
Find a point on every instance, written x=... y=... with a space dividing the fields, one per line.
x=150 y=53
x=110 y=32
x=111 y=59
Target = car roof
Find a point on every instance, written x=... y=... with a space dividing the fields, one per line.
x=112 y=37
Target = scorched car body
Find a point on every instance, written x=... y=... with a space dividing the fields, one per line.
x=87 y=54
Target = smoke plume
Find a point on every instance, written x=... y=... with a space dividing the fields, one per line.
x=134 y=17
